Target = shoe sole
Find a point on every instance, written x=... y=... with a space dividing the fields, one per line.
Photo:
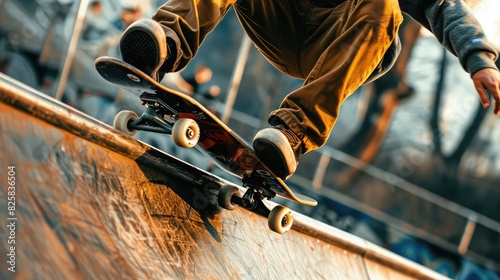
x=143 y=45
x=270 y=153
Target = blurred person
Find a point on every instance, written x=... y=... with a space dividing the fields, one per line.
x=202 y=75
x=128 y=15
x=209 y=98
x=90 y=93
x=212 y=93
x=192 y=85
x=95 y=27
x=188 y=83
x=334 y=45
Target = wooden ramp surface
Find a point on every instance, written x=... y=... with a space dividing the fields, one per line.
x=91 y=203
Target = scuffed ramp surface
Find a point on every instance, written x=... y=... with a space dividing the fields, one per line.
x=87 y=211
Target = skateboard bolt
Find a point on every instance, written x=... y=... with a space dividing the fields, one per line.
x=284 y=221
x=133 y=78
x=190 y=133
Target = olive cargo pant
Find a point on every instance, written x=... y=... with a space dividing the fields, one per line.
x=334 y=47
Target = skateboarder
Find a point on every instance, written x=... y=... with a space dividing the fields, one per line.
x=334 y=45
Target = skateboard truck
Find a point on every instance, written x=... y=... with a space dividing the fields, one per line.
x=279 y=218
x=129 y=122
x=149 y=117
x=252 y=200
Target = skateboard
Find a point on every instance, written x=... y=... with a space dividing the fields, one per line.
x=192 y=125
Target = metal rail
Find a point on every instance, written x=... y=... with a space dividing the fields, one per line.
x=70 y=52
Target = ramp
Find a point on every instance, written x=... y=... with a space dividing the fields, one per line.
x=91 y=203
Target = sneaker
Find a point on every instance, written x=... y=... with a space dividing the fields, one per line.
x=144 y=45
x=279 y=148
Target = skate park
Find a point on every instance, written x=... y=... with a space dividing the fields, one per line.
x=96 y=199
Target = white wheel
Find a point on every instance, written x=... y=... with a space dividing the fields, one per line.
x=225 y=195
x=186 y=133
x=122 y=119
x=280 y=219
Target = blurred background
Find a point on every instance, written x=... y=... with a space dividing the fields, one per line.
x=411 y=165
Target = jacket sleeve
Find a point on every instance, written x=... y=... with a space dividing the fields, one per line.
x=456 y=28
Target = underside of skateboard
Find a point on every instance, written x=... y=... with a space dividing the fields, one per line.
x=191 y=124
x=185 y=133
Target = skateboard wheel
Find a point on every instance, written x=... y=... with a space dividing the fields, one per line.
x=186 y=133
x=122 y=119
x=280 y=219
x=225 y=195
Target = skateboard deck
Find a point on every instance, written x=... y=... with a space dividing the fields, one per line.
x=165 y=107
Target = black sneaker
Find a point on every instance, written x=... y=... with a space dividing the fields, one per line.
x=144 y=45
x=279 y=148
